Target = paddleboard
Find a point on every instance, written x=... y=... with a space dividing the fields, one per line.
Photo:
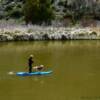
x=33 y=73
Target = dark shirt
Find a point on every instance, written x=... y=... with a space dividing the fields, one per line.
x=30 y=61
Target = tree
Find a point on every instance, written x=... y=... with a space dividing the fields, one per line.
x=38 y=11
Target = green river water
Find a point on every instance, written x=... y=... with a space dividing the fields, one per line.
x=75 y=65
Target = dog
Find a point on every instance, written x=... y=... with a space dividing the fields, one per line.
x=38 y=68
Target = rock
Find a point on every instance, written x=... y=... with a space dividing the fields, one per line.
x=47 y=33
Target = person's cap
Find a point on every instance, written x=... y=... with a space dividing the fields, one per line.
x=31 y=56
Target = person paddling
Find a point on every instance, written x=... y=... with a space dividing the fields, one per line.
x=30 y=63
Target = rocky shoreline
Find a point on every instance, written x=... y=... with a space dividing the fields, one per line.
x=31 y=33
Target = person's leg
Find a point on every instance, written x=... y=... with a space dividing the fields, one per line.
x=30 y=69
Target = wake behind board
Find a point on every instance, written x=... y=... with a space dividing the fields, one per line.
x=33 y=73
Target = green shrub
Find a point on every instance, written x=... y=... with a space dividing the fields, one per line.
x=15 y=13
x=38 y=11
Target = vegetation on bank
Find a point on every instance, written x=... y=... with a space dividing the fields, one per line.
x=30 y=33
x=44 y=11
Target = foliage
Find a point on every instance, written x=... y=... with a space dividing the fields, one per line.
x=44 y=11
x=79 y=8
x=38 y=11
x=11 y=9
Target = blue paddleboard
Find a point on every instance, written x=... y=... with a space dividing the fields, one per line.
x=33 y=73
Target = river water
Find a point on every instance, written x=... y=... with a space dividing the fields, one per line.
x=75 y=65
